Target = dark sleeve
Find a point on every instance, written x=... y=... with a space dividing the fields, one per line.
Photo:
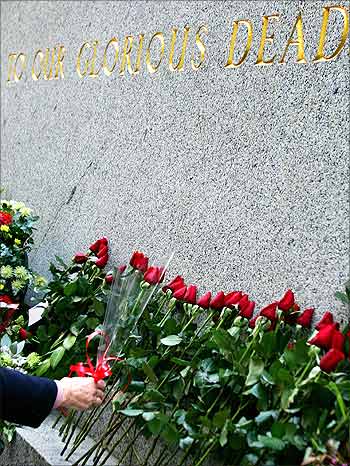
x=25 y=399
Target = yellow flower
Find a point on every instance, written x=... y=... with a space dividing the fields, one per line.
x=4 y=228
x=2 y=286
x=17 y=241
x=25 y=211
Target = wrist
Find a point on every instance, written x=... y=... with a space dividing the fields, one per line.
x=60 y=395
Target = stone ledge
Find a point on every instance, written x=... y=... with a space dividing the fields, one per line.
x=41 y=447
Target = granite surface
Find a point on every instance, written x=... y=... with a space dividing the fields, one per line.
x=243 y=173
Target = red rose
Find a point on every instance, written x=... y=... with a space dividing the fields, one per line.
x=248 y=311
x=5 y=218
x=191 y=294
x=306 y=317
x=80 y=258
x=291 y=345
x=204 y=300
x=175 y=284
x=122 y=268
x=153 y=275
x=243 y=302
x=338 y=340
x=287 y=301
x=109 y=278
x=252 y=321
x=102 y=251
x=94 y=247
x=324 y=337
x=232 y=298
x=269 y=312
x=104 y=241
x=23 y=334
x=139 y=261
x=180 y=292
x=331 y=359
x=326 y=320
x=4 y=298
x=218 y=301
x=102 y=261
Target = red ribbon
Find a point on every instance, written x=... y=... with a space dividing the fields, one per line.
x=102 y=369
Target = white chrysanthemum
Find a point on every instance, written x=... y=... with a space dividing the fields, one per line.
x=21 y=273
x=17 y=285
x=17 y=205
x=6 y=271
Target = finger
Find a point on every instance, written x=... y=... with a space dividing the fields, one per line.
x=101 y=385
x=99 y=394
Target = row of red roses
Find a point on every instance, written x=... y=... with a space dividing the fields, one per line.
x=329 y=337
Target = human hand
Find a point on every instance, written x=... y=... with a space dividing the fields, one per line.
x=81 y=392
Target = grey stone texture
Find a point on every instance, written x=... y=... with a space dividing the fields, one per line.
x=243 y=173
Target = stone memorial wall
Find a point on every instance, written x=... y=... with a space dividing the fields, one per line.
x=217 y=130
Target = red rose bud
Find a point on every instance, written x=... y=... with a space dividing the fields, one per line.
x=191 y=294
x=269 y=312
x=248 y=311
x=243 y=302
x=331 y=359
x=109 y=278
x=23 y=334
x=287 y=301
x=122 y=268
x=4 y=298
x=326 y=320
x=324 y=337
x=153 y=275
x=175 y=284
x=291 y=345
x=338 y=340
x=218 y=301
x=5 y=218
x=306 y=317
x=295 y=307
x=204 y=300
x=252 y=321
x=102 y=261
x=102 y=252
x=94 y=247
x=232 y=298
x=104 y=241
x=180 y=292
x=139 y=261
x=80 y=258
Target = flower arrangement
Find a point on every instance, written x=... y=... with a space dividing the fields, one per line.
x=206 y=379
x=73 y=306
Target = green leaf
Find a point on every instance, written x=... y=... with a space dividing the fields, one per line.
x=256 y=368
x=92 y=323
x=223 y=339
x=154 y=395
x=265 y=415
x=60 y=261
x=333 y=387
x=131 y=412
x=171 y=340
x=147 y=369
x=70 y=289
x=69 y=341
x=148 y=416
x=181 y=362
x=56 y=356
x=271 y=442
x=6 y=341
x=44 y=367
x=223 y=434
x=342 y=297
x=170 y=434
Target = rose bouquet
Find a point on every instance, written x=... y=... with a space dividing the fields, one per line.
x=73 y=306
x=132 y=291
x=208 y=380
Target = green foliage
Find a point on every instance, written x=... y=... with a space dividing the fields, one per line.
x=213 y=389
x=76 y=298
